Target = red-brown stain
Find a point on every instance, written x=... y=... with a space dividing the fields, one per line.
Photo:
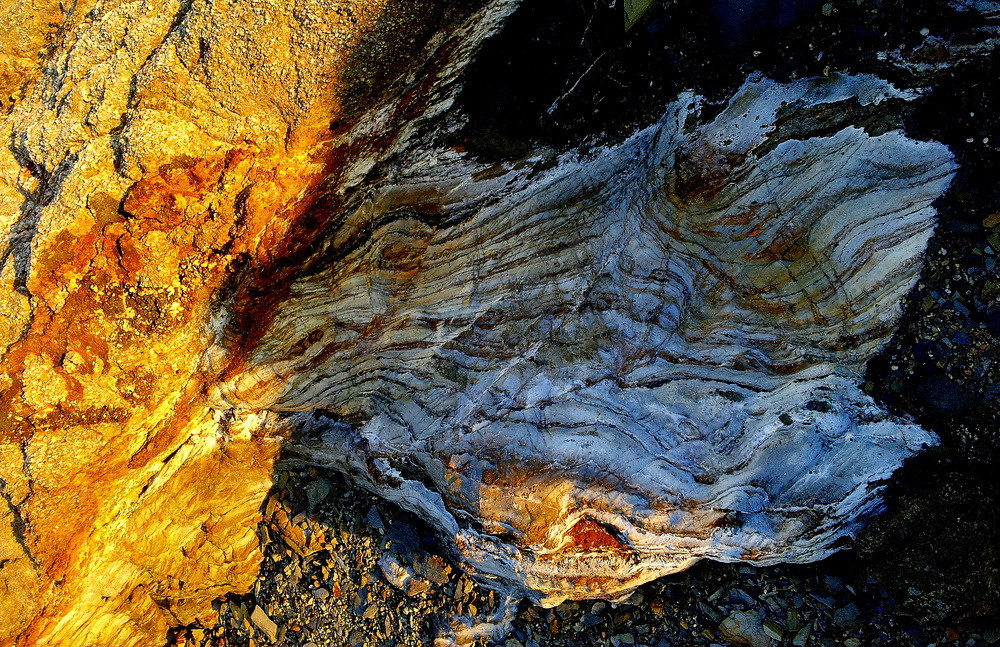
x=589 y=535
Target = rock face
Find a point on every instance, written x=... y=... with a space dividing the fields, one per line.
x=225 y=227
x=594 y=369
x=161 y=159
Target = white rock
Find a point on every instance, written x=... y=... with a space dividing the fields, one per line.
x=594 y=370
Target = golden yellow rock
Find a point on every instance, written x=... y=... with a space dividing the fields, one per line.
x=165 y=157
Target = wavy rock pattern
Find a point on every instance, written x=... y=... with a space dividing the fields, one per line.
x=225 y=223
x=594 y=369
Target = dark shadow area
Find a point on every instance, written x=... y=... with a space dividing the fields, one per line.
x=564 y=73
x=936 y=545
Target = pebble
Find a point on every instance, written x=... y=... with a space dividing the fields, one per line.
x=745 y=628
x=432 y=568
x=846 y=615
x=773 y=629
x=802 y=636
x=264 y=623
x=316 y=491
x=374 y=520
x=394 y=572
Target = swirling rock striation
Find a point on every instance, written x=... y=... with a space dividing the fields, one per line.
x=223 y=224
x=594 y=368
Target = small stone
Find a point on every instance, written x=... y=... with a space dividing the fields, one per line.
x=417 y=587
x=718 y=594
x=433 y=568
x=852 y=642
x=745 y=628
x=264 y=623
x=835 y=584
x=739 y=596
x=773 y=629
x=374 y=520
x=404 y=537
x=316 y=491
x=794 y=620
x=846 y=615
x=802 y=636
x=320 y=593
x=825 y=600
x=394 y=572
x=710 y=611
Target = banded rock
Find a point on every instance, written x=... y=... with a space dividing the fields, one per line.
x=595 y=368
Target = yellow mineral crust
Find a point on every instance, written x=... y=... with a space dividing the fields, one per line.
x=160 y=155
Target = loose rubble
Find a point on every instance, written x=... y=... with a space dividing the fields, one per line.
x=347 y=569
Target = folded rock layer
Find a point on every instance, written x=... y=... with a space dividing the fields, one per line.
x=228 y=228
x=593 y=369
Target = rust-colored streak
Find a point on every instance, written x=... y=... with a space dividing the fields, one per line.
x=589 y=535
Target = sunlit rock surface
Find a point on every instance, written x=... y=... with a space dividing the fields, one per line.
x=595 y=368
x=159 y=158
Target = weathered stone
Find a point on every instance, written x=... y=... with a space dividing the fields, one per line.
x=261 y=620
x=745 y=628
x=679 y=382
x=161 y=159
x=225 y=226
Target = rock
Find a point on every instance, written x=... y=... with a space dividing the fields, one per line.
x=264 y=623
x=402 y=577
x=773 y=629
x=374 y=519
x=802 y=636
x=232 y=230
x=639 y=300
x=846 y=615
x=404 y=537
x=316 y=491
x=745 y=628
x=147 y=214
x=432 y=568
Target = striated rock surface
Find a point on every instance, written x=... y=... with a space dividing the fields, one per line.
x=593 y=369
x=228 y=225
